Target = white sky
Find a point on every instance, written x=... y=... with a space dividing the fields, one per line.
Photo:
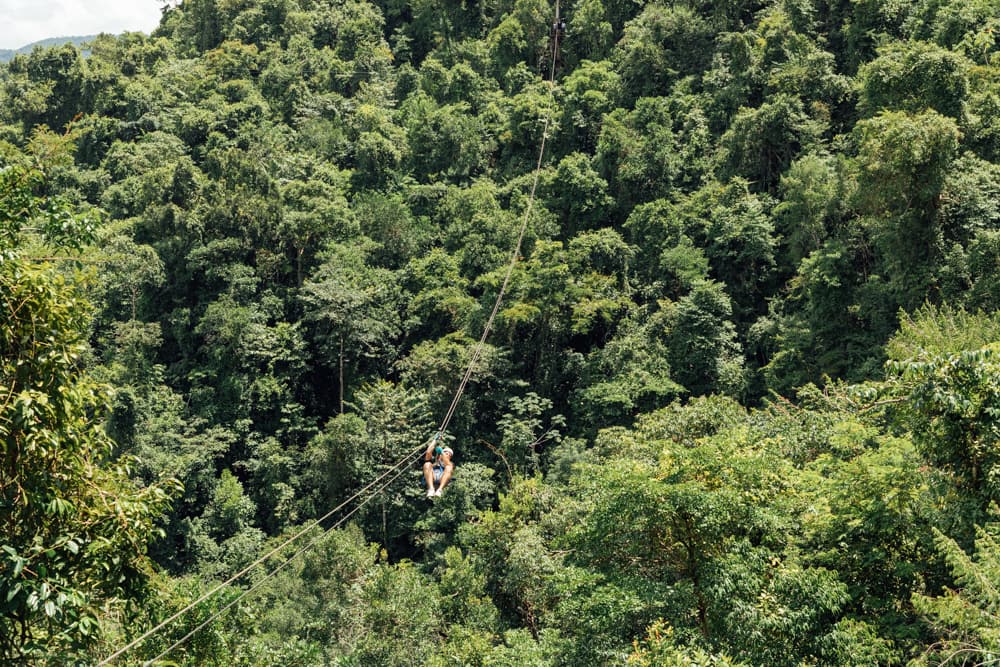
x=25 y=21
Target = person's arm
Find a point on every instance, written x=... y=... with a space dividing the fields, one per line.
x=429 y=454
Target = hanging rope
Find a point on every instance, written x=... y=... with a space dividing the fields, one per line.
x=520 y=238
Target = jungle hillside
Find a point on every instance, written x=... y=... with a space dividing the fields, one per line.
x=739 y=405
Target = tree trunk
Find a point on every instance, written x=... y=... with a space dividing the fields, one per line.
x=298 y=265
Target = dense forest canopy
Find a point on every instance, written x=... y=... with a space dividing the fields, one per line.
x=740 y=405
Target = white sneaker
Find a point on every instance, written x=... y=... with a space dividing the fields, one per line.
x=438 y=493
x=430 y=493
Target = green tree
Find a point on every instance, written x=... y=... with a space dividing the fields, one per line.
x=909 y=157
x=355 y=307
x=660 y=44
x=638 y=154
x=589 y=91
x=444 y=141
x=659 y=649
x=595 y=34
x=315 y=211
x=525 y=433
x=741 y=245
x=812 y=202
x=390 y=422
x=951 y=410
x=75 y=526
x=704 y=354
x=630 y=374
x=46 y=86
x=914 y=77
x=760 y=143
x=577 y=194
x=965 y=617
x=131 y=271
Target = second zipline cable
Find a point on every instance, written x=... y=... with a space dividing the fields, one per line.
x=143 y=637
x=276 y=570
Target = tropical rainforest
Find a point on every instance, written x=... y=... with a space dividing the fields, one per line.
x=740 y=403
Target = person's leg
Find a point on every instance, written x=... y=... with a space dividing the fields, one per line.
x=429 y=476
x=445 y=477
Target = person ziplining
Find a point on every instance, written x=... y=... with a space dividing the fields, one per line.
x=437 y=467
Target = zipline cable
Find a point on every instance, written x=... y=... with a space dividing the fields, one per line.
x=477 y=352
x=520 y=238
x=138 y=640
x=275 y=571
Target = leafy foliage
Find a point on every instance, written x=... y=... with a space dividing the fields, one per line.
x=741 y=387
x=75 y=526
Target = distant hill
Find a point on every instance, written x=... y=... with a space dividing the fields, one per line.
x=7 y=54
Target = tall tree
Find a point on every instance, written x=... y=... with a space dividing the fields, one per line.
x=75 y=527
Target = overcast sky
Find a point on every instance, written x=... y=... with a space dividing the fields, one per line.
x=25 y=21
